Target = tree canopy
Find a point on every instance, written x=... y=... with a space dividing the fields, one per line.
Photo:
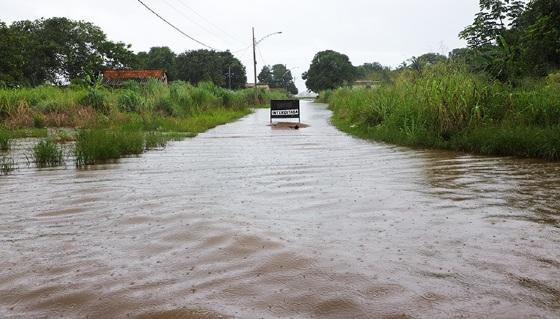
x=279 y=76
x=510 y=39
x=329 y=70
x=206 y=65
x=57 y=50
x=158 y=58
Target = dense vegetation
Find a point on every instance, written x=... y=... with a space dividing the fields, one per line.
x=60 y=51
x=50 y=76
x=278 y=77
x=448 y=107
x=113 y=122
x=501 y=95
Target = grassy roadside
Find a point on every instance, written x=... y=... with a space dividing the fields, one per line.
x=109 y=123
x=447 y=107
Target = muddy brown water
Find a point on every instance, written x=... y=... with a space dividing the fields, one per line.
x=246 y=221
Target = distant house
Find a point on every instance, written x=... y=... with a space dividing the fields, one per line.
x=118 y=77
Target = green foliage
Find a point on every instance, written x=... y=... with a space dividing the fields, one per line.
x=278 y=77
x=446 y=106
x=510 y=40
x=158 y=58
x=97 y=99
x=553 y=78
x=5 y=139
x=98 y=146
x=494 y=18
x=130 y=101
x=46 y=153
x=56 y=50
x=155 y=140
x=38 y=120
x=211 y=66
x=328 y=70
x=374 y=72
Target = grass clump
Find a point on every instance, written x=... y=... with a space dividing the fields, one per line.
x=5 y=140
x=99 y=145
x=156 y=140
x=46 y=153
x=7 y=165
x=445 y=106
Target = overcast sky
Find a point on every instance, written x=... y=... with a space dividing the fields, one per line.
x=387 y=31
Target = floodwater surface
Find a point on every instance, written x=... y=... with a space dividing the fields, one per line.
x=248 y=221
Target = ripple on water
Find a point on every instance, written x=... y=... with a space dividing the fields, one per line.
x=248 y=222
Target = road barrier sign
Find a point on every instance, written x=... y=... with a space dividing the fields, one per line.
x=284 y=109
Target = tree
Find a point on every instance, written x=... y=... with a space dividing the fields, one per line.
x=205 y=65
x=58 y=50
x=158 y=58
x=12 y=61
x=265 y=76
x=328 y=70
x=539 y=40
x=278 y=77
x=494 y=19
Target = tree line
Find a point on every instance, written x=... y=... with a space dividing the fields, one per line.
x=509 y=40
x=60 y=50
x=278 y=77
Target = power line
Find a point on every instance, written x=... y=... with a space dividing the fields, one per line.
x=209 y=22
x=193 y=21
x=174 y=27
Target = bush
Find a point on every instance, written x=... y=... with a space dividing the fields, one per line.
x=5 y=140
x=97 y=99
x=553 y=78
x=97 y=146
x=38 y=120
x=130 y=101
x=445 y=104
x=47 y=154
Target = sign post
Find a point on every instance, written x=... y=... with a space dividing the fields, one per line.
x=284 y=109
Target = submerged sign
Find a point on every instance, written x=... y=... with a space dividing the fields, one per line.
x=284 y=109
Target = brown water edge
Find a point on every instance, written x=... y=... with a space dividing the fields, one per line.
x=249 y=222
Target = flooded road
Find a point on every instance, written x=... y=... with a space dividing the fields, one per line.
x=246 y=221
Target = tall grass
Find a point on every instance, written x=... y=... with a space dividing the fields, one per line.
x=96 y=146
x=5 y=140
x=115 y=122
x=99 y=106
x=47 y=154
x=447 y=107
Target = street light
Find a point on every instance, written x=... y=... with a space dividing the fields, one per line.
x=255 y=43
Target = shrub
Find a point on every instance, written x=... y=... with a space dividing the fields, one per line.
x=47 y=154
x=5 y=140
x=97 y=146
x=553 y=78
x=38 y=120
x=97 y=99
x=130 y=101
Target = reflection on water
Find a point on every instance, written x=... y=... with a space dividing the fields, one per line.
x=249 y=222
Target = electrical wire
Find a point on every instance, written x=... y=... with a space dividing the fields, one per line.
x=174 y=27
x=210 y=22
x=211 y=32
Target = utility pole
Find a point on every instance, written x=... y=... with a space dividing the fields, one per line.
x=255 y=66
x=255 y=43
